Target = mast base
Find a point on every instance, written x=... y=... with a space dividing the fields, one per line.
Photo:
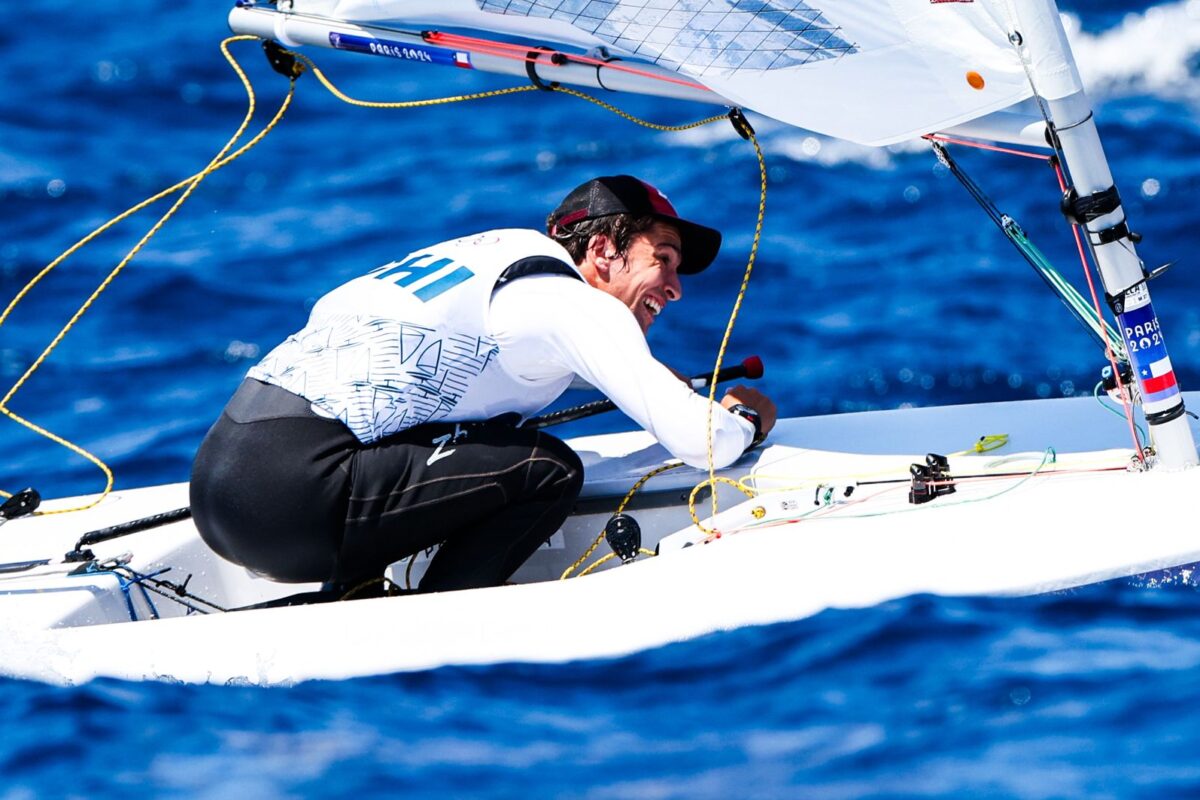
x=1174 y=442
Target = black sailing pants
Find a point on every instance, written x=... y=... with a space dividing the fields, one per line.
x=298 y=498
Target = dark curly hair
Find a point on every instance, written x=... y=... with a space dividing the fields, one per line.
x=619 y=228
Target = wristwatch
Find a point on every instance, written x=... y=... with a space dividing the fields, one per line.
x=746 y=412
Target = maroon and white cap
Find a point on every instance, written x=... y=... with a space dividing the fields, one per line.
x=625 y=194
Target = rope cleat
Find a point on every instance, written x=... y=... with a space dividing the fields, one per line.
x=930 y=480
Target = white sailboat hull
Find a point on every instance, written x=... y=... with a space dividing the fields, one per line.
x=780 y=557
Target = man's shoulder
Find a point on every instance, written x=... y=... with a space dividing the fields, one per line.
x=501 y=248
x=561 y=297
x=535 y=242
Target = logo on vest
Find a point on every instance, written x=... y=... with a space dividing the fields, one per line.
x=442 y=441
x=433 y=277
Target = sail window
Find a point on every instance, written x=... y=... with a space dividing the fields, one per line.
x=698 y=36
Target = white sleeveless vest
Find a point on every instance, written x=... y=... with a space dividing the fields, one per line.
x=408 y=342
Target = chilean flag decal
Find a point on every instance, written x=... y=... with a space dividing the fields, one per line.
x=462 y=59
x=1148 y=354
x=1157 y=376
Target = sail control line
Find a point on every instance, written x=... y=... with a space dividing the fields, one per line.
x=1118 y=374
x=188 y=185
x=1136 y=349
x=1093 y=206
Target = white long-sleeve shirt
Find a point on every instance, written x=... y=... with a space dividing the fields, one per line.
x=550 y=327
x=430 y=338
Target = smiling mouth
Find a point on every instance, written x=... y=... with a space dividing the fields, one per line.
x=652 y=305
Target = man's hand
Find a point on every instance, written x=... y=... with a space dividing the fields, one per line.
x=755 y=399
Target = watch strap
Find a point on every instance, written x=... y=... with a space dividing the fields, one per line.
x=746 y=412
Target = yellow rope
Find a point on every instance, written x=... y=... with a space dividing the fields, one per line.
x=624 y=502
x=145 y=204
x=74 y=448
x=338 y=93
x=987 y=443
x=737 y=305
x=191 y=183
x=746 y=131
x=641 y=550
x=389 y=586
x=626 y=115
x=713 y=480
x=345 y=98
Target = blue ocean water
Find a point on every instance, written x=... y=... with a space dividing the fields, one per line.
x=878 y=284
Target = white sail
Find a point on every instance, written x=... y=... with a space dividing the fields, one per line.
x=870 y=71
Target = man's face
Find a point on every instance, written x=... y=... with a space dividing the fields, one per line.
x=647 y=278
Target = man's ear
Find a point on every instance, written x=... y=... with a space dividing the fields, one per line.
x=599 y=252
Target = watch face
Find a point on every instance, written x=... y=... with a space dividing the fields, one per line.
x=745 y=411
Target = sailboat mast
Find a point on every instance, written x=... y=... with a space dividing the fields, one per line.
x=1041 y=40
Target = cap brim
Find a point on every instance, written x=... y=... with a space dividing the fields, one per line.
x=700 y=245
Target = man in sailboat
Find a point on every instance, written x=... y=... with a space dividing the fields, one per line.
x=386 y=425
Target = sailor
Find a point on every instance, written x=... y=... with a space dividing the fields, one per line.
x=387 y=425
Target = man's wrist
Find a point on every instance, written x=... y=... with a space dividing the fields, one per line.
x=747 y=413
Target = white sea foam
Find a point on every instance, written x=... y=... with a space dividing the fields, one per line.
x=1151 y=53
x=799 y=145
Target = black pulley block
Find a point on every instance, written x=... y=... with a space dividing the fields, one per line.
x=624 y=536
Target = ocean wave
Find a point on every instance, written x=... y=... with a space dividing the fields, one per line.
x=1153 y=52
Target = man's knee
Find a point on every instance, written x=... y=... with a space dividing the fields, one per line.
x=556 y=467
